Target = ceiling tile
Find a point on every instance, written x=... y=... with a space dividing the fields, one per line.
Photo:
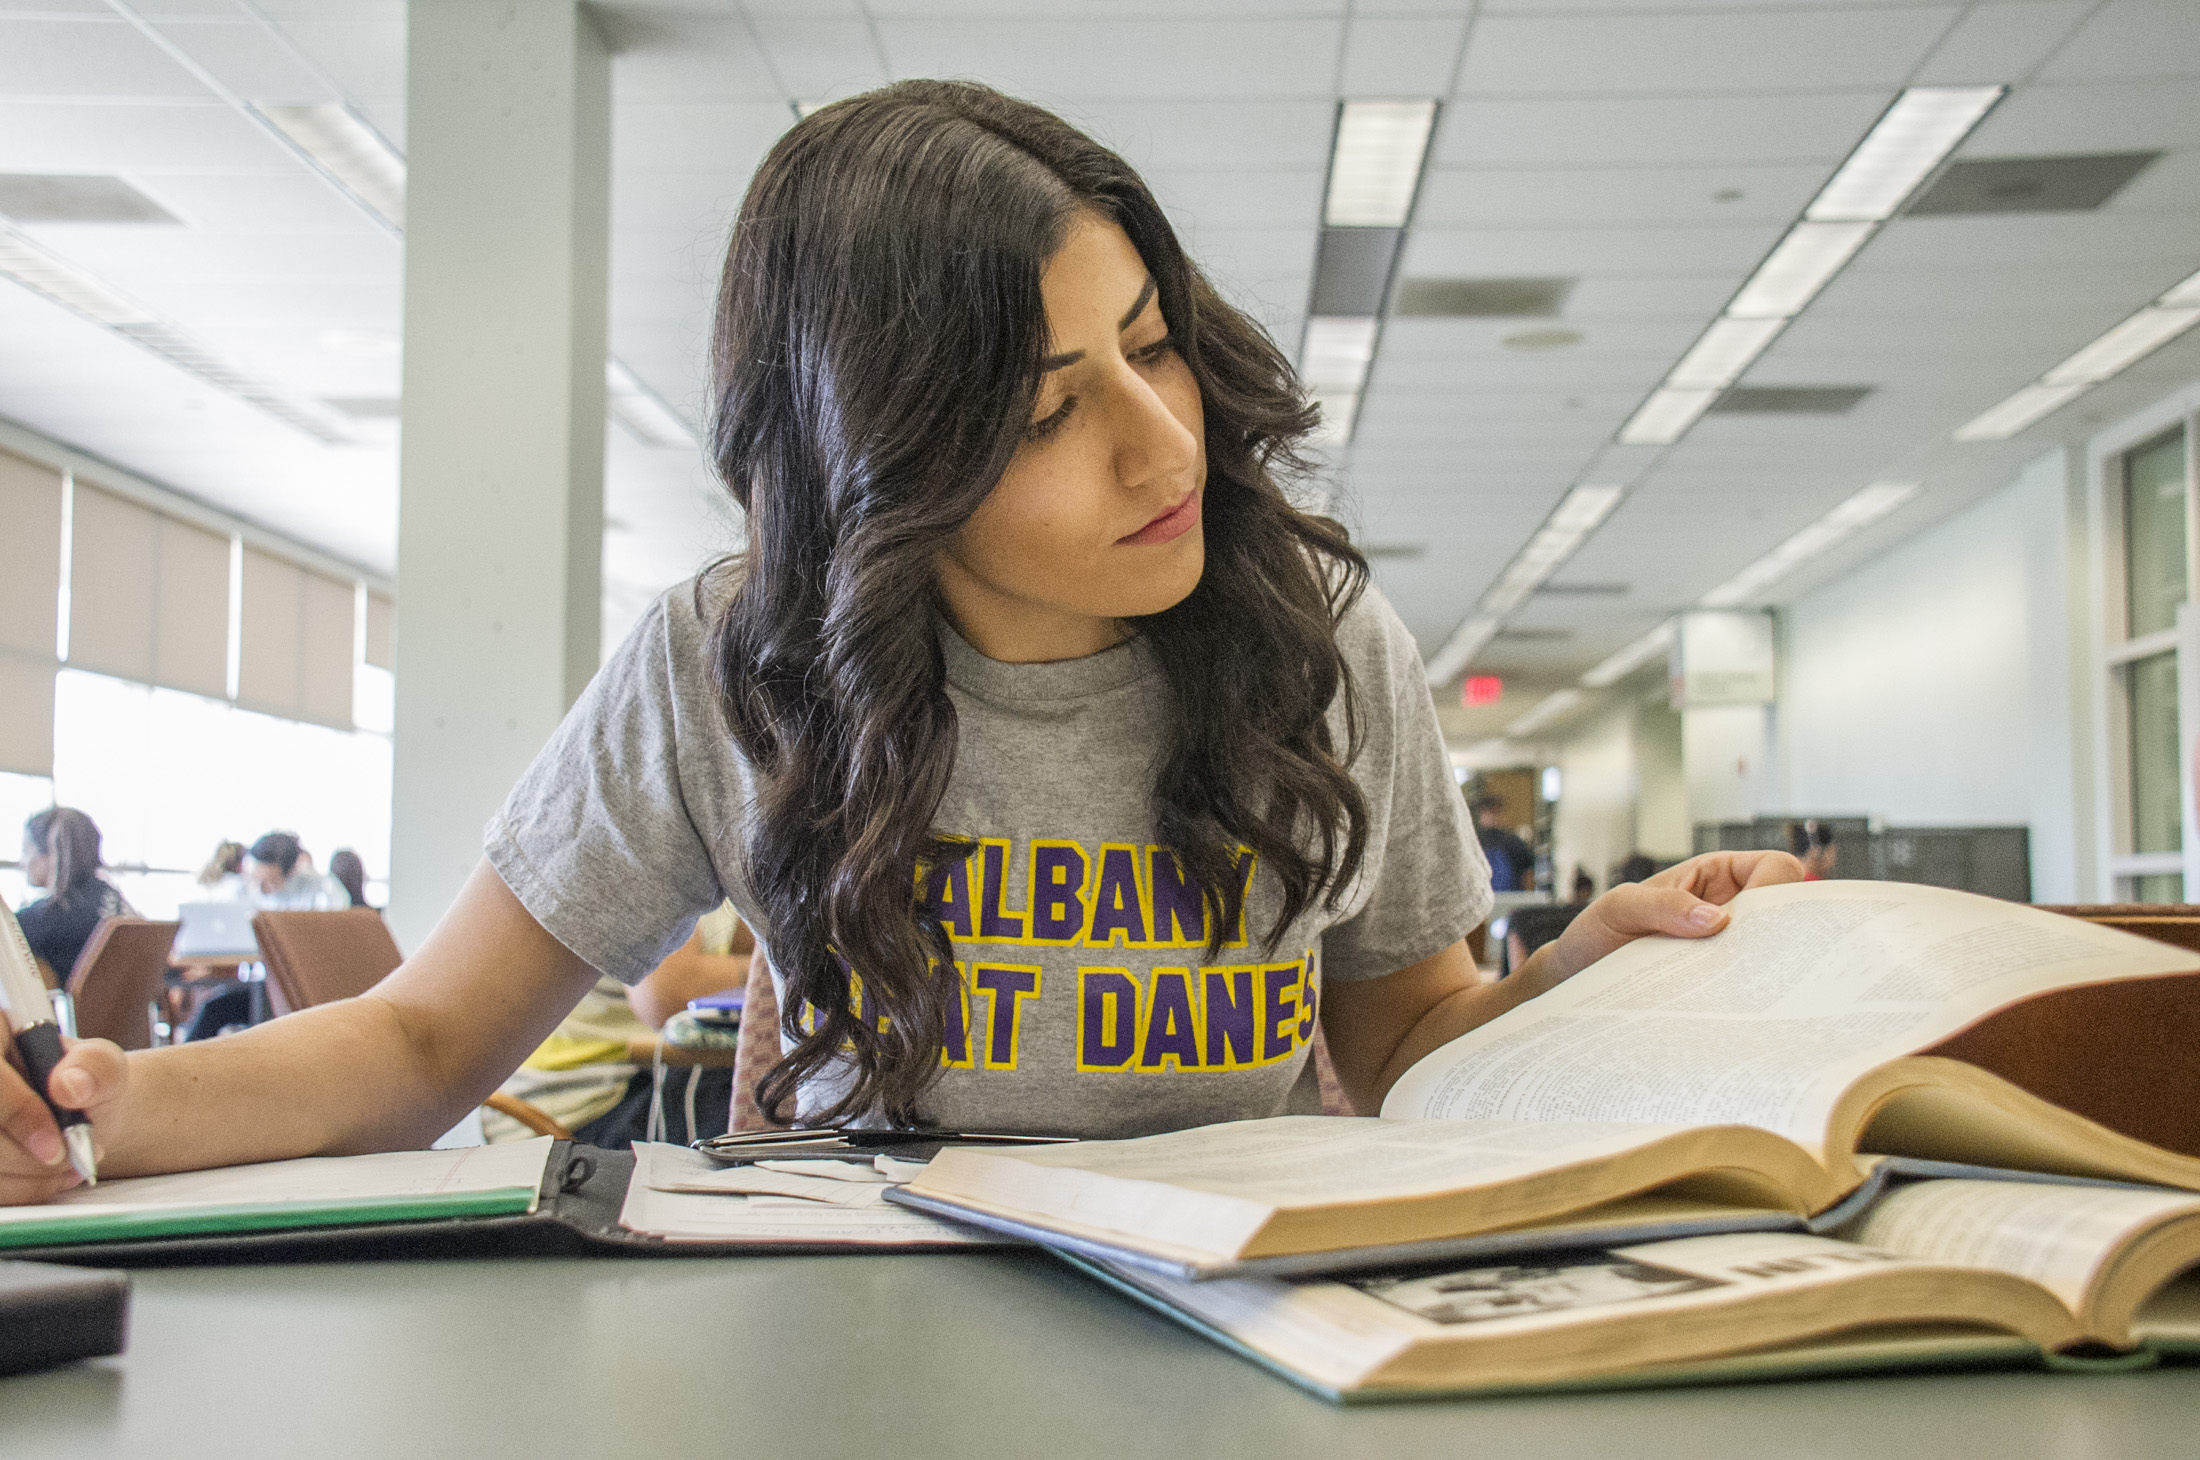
x=149 y=138
x=818 y=59
x=364 y=54
x=1212 y=135
x=2000 y=42
x=1699 y=55
x=2120 y=116
x=248 y=61
x=683 y=56
x=1165 y=59
x=1524 y=252
x=88 y=59
x=2128 y=38
x=1400 y=55
x=1239 y=198
x=1693 y=196
x=1622 y=131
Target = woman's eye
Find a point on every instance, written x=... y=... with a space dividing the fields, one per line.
x=1040 y=429
x=1166 y=345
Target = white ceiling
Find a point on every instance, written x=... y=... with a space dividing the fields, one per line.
x=1589 y=138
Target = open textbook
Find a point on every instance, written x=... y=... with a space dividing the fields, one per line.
x=1940 y=1273
x=1751 y=1079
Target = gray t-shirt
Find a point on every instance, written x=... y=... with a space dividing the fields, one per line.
x=1090 y=1005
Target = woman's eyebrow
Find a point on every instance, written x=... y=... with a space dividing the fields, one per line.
x=1130 y=317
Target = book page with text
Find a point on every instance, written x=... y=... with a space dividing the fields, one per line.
x=1809 y=986
x=1310 y=1160
x=2061 y=1237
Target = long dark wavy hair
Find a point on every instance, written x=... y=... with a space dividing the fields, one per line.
x=875 y=360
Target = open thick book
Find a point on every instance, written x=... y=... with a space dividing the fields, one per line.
x=1834 y=1034
x=1940 y=1273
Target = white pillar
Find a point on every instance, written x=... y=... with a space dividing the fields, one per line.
x=1726 y=758
x=500 y=526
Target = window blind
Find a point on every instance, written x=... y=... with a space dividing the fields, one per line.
x=381 y=632
x=30 y=597
x=114 y=567
x=30 y=555
x=295 y=656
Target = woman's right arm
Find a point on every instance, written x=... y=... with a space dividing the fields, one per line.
x=390 y=1070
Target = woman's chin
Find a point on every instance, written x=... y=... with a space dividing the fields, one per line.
x=1165 y=580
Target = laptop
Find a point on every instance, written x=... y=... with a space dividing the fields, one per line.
x=215 y=930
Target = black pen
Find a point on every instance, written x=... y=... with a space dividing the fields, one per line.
x=38 y=1038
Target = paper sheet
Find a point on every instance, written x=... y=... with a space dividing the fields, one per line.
x=688 y=1216
x=310 y=1182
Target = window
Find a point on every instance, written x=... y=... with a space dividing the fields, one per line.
x=2155 y=505
x=168 y=774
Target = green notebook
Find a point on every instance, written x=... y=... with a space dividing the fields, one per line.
x=312 y=1191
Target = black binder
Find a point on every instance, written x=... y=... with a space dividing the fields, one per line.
x=583 y=1188
x=55 y=1315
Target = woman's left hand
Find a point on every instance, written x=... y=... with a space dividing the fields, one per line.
x=1687 y=900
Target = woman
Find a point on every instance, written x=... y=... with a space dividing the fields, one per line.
x=61 y=854
x=1066 y=773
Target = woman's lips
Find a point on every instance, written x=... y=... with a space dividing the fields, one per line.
x=1170 y=525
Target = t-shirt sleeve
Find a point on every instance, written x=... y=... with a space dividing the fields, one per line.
x=1428 y=885
x=596 y=840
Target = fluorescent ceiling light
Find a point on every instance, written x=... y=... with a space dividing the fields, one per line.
x=1337 y=351
x=1551 y=707
x=1857 y=512
x=641 y=411
x=1626 y=661
x=1907 y=143
x=344 y=146
x=1340 y=411
x=2123 y=345
x=1797 y=268
x=66 y=284
x=1723 y=352
x=1376 y=164
x=1458 y=651
x=1910 y=140
x=1666 y=416
x=2018 y=411
x=1334 y=360
x=2134 y=339
x=1577 y=515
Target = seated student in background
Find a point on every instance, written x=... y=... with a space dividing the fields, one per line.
x=223 y=876
x=346 y=867
x=279 y=876
x=582 y=1077
x=61 y=855
x=1033 y=692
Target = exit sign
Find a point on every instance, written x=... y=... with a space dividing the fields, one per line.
x=1481 y=689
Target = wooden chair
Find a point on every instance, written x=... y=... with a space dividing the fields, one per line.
x=528 y=1114
x=320 y=957
x=2176 y=923
x=119 y=980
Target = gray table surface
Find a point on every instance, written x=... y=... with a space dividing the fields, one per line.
x=968 y=1354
